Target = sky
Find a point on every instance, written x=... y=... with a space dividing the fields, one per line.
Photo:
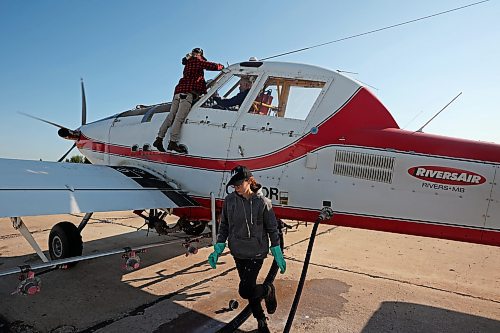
x=129 y=52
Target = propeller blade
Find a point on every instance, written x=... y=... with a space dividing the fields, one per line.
x=40 y=119
x=64 y=156
x=84 y=104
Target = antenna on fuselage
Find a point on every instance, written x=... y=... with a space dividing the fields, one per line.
x=421 y=128
x=341 y=71
x=354 y=73
x=412 y=119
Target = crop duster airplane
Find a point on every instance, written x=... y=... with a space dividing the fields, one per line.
x=314 y=137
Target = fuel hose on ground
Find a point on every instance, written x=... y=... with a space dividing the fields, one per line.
x=326 y=214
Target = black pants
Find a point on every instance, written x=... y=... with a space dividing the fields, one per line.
x=248 y=270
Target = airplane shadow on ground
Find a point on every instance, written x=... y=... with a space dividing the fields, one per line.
x=413 y=318
x=97 y=293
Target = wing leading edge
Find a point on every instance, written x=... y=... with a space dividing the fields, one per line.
x=44 y=188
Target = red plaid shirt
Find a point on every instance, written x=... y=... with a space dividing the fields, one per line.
x=193 y=79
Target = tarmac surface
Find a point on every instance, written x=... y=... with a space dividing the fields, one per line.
x=358 y=281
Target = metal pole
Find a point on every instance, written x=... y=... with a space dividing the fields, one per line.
x=214 y=223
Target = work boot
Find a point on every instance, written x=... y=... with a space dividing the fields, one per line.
x=172 y=145
x=262 y=326
x=158 y=144
x=270 y=299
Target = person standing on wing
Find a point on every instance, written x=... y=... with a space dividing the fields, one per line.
x=190 y=87
x=248 y=224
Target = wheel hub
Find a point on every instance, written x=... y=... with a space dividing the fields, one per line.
x=57 y=246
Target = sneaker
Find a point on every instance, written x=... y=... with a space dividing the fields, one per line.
x=172 y=145
x=158 y=144
x=270 y=299
x=262 y=326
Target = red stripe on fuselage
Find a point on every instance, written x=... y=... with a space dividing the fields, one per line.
x=463 y=234
x=428 y=144
x=487 y=237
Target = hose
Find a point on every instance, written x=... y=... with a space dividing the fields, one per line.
x=326 y=213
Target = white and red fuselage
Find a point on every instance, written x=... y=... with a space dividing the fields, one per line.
x=347 y=151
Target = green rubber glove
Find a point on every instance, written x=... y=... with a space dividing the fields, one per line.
x=278 y=256
x=214 y=256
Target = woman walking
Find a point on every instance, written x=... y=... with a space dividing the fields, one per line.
x=249 y=225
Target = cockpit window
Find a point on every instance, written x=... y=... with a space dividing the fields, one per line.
x=146 y=111
x=211 y=82
x=288 y=98
x=232 y=94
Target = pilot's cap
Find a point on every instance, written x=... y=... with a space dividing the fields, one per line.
x=246 y=79
x=240 y=173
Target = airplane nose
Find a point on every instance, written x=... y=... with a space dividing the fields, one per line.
x=68 y=134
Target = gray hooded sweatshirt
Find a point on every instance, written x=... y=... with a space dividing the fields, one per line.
x=248 y=225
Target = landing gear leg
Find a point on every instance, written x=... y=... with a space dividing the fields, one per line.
x=85 y=219
x=19 y=225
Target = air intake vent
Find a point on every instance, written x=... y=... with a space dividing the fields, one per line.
x=364 y=166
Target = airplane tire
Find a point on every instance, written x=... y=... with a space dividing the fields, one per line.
x=65 y=241
x=194 y=228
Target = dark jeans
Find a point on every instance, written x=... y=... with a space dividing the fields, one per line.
x=248 y=270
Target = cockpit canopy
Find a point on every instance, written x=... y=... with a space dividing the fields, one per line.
x=276 y=97
x=270 y=89
x=286 y=91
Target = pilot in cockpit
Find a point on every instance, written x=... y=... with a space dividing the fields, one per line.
x=234 y=102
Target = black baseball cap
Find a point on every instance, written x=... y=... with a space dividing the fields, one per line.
x=240 y=173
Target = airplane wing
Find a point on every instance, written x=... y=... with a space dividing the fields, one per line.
x=44 y=188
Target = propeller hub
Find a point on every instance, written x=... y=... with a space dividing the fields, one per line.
x=66 y=133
